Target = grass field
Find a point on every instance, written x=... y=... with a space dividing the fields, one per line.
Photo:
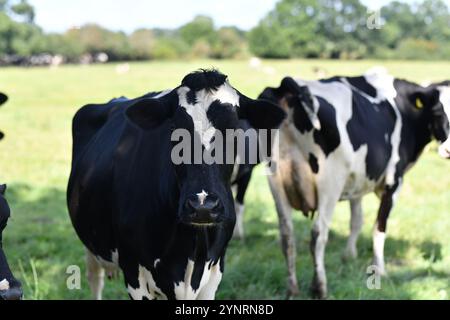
x=35 y=162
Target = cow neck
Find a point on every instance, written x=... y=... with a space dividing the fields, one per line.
x=415 y=128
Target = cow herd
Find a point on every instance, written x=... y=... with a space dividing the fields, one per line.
x=166 y=224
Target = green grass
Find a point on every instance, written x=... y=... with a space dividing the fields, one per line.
x=35 y=162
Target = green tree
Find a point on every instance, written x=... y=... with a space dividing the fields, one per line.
x=201 y=28
x=269 y=41
x=142 y=43
x=25 y=10
x=230 y=43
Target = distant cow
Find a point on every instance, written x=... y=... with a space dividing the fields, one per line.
x=165 y=225
x=10 y=288
x=346 y=137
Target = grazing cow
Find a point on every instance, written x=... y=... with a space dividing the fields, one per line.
x=344 y=138
x=165 y=225
x=10 y=288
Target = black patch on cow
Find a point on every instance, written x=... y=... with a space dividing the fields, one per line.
x=204 y=79
x=361 y=84
x=222 y=115
x=313 y=163
x=331 y=80
x=372 y=125
x=191 y=97
x=327 y=137
x=301 y=119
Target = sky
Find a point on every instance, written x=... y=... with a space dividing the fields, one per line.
x=129 y=15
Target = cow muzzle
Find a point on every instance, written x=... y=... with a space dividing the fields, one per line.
x=203 y=210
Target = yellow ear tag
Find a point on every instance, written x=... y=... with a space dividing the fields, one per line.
x=419 y=104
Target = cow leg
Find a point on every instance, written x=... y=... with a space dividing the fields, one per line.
x=379 y=234
x=287 y=235
x=319 y=239
x=95 y=275
x=241 y=189
x=356 y=223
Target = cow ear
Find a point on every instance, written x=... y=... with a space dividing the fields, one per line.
x=3 y=98
x=2 y=189
x=261 y=114
x=148 y=113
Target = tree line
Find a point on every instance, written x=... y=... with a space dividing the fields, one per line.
x=337 y=29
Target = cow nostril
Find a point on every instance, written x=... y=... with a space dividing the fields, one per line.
x=215 y=204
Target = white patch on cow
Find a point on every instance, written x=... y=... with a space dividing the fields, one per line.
x=183 y=290
x=202 y=197
x=444 y=148
x=378 y=250
x=4 y=285
x=156 y=262
x=383 y=82
x=208 y=292
x=357 y=184
x=239 y=227
x=209 y=283
x=198 y=111
x=146 y=283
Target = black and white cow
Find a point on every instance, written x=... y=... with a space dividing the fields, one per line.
x=165 y=226
x=346 y=137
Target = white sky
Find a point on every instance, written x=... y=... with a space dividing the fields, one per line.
x=128 y=15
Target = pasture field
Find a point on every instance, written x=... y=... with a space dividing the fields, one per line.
x=35 y=162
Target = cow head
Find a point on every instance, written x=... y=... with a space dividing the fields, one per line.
x=204 y=107
x=441 y=118
x=433 y=103
x=10 y=288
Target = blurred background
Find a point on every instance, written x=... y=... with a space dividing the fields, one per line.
x=56 y=56
x=43 y=32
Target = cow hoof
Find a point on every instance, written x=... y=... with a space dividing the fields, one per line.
x=348 y=256
x=292 y=293
x=380 y=269
x=318 y=291
x=11 y=294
